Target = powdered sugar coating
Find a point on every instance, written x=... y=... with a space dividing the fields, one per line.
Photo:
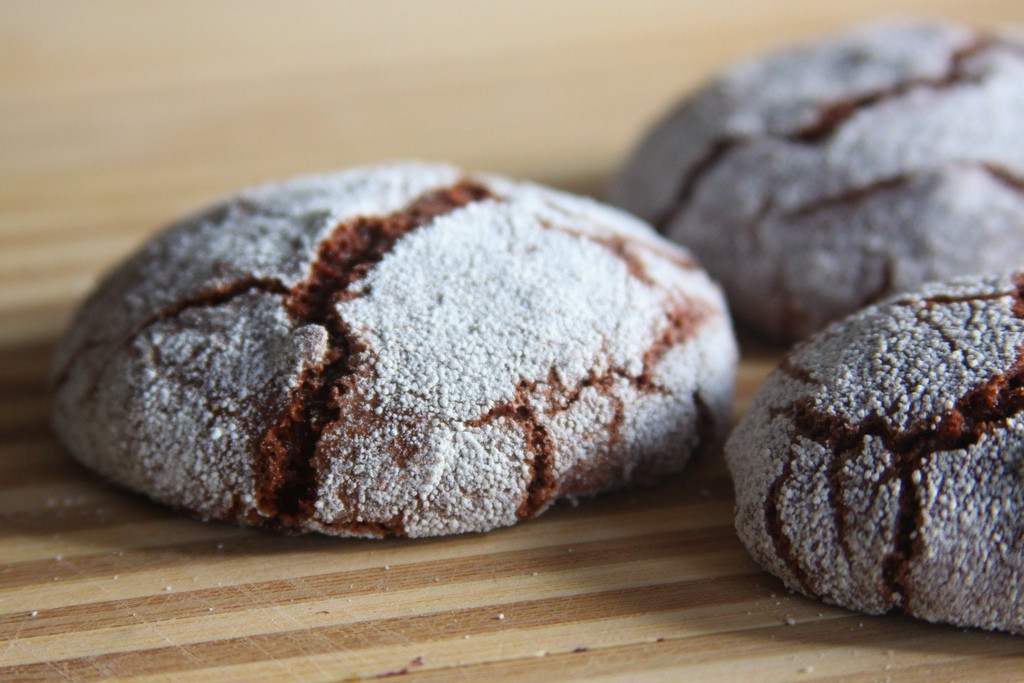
x=817 y=179
x=502 y=352
x=880 y=465
x=264 y=234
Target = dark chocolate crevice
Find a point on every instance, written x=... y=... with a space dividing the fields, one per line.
x=832 y=116
x=683 y=320
x=835 y=478
x=210 y=298
x=682 y=323
x=980 y=411
x=940 y=330
x=1012 y=180
x=829 y=120
x=614 y=426
x=61 y=374
x=850 y=197
x=217 y=297
x=213 y=295
x=951 y=300
x=985 y=408
x=542 y=485
x=855 y=195
x=688 y=184
x=773 y=526
x=626 y=251
x=357 y=245
x=286 y=473
x=622 y=250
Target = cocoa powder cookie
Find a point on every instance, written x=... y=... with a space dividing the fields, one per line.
x=818 y=179
x=881 y=465
x=403 y=349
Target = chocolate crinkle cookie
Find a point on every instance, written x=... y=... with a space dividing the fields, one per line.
x=881 y=465
x=397 y=350
x=813 y=181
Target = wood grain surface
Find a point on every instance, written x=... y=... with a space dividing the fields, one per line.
x=116 y=117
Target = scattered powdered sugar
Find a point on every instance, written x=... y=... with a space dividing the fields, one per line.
x=502 y=353
x=819 y=178
x=877 y=467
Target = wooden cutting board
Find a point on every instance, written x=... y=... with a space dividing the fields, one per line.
x=116 y=117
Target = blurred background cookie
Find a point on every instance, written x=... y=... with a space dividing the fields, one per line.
x=815 y=180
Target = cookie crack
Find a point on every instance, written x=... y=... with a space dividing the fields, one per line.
x=209 y=298
x=774 y=526
x=692 y=178
x=555 y=397
x=1017 y=306
x=286 y=467
x=832 y=116
x=1004 y=175
x=682 y=321
x=626 y=251
x=985 y=408
x=855 y=195
x=216 y=297
x=252 y=207
x=830 y=119
x=937 y=328
x=850 y=197
x=542 y=485
x=621 y=249
x=889 y=266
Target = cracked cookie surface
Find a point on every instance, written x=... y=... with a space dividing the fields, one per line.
x=880 y=466
x=816 y=180
x=395 y=350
